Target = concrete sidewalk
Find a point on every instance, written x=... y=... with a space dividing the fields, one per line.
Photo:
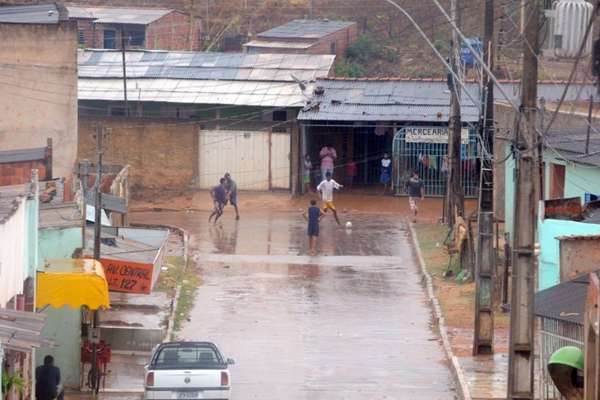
x=479 y=377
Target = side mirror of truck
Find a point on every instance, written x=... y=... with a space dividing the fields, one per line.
x=230 y=361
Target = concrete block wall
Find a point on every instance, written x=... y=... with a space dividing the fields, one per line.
x=39 y=91
x=162 y=154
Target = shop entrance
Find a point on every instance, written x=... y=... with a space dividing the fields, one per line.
x=365 y=145
x=424 y=149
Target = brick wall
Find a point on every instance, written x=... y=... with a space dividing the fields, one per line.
x=341 y=39
x=162 y=155
x=174 y=31
x=20 y=172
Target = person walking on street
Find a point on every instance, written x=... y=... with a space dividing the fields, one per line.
x=306 y=173
x=386 y=172
x=351 y=171
x=326 y=188
x=47 y=381
x=231 y=189
x=313 y=215
x=415 y=193
x=219 y=197
x=328 y=156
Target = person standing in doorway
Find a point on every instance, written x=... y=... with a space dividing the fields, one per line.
x=219 y=197
x=231 y=190
x=313 y=215
x=415 y=190
x=47 y=381
x=385 y=177
x=326 y=188
x=328 y=156
x=306 y=174
x=351 y=172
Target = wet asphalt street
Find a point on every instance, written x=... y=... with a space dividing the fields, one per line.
x=349 y=324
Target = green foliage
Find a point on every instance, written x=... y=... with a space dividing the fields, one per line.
x=350 y=69
x=10 y=382
x=362 y=55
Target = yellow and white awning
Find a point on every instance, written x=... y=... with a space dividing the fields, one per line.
x=75 y=283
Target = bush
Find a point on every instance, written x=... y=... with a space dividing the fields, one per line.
x=350 y=69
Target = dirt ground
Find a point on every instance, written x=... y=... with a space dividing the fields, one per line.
x=456 y=299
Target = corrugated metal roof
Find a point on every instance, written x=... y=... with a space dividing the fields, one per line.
x=306 y=29
x=10 y=156
x=118 y=15
x=11 y=198
x=564 y=302
x=22 y=330
x=30 y=14
x=570 y=143
x=63 y=215
x=384 y=100
x=242 y=93
x=204 y=65
x=274 y=44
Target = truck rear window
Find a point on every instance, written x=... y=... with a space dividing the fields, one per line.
x=187 y=357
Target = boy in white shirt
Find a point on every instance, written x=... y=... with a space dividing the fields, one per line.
x=326 y=188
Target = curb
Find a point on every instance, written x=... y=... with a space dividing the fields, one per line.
x=437 y=311
x=175 y=301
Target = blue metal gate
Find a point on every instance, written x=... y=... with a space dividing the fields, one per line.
x=429 y=158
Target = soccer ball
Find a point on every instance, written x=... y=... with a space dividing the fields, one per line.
x=348 y=225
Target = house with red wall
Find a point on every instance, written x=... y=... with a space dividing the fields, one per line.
x=306 y=36
x=141 y=28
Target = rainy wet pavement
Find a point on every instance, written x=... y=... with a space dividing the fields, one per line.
x=351 y=323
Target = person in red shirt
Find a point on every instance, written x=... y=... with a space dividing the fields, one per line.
x=351 y=172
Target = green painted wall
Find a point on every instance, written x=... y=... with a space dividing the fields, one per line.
x=579 y=179
x=62 y=325
x=509 y=192
x=548 y=231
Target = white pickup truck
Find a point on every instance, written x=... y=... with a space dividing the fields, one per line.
x=187 y=370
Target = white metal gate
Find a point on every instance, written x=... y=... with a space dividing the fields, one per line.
x=257 y=160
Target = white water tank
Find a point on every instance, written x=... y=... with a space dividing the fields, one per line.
x=571 y=18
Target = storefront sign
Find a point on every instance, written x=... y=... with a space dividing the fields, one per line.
x=432 y=134
x=127 y=276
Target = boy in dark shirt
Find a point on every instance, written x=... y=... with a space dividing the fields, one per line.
x=313 y=215
x=219 y=196
x=415 y=193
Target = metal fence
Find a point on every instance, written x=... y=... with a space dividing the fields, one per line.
x=554 y=335
x=430 y=161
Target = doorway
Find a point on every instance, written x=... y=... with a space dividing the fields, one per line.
x=557 y=181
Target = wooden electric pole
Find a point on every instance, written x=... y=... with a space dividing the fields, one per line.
x=521 y=354
x=485 y=260
x=454 y=190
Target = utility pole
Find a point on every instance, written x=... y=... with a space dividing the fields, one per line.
x=100 y=132
x=124 y=73
x=485 y=260
x=521 y=345
x=454 y=190
x=311 y=9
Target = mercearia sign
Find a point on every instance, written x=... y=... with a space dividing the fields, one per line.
x=432 y=134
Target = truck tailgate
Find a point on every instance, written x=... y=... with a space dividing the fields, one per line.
x=187 y=378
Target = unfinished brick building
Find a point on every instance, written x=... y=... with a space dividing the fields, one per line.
x=305 y=36
x=143 y=28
